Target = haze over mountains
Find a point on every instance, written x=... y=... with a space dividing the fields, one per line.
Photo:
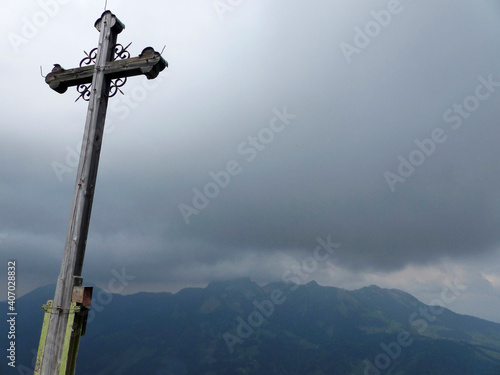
x=239 y=327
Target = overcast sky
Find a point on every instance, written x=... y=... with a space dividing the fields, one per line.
x=371 y=123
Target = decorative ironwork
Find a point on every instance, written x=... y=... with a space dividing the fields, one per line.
x=84 y=91
x=121 y=52
x=90 y=59
x=115 y=85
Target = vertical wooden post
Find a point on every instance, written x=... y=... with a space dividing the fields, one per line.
x=109 y=27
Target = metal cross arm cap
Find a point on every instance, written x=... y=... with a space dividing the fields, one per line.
x=149 y=62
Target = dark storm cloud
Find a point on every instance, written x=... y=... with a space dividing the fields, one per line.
x=325 y=173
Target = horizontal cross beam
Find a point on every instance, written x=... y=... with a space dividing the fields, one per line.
x=149 y=62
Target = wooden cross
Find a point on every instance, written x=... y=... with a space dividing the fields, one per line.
x=95 y=83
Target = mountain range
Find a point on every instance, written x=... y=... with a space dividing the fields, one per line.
x=238 y=327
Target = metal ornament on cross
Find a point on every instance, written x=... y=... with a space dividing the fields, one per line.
x=101 y=74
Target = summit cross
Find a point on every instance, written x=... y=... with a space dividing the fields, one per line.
x=65 y=316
